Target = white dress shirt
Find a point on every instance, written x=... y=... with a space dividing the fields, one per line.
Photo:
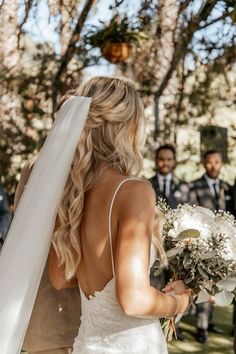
x=161 y=179
x=211 y=182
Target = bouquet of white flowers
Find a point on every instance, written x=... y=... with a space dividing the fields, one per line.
x=201 y=250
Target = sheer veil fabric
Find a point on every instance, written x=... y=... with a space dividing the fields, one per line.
x=25 y=251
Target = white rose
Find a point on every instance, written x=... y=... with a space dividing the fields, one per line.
x=195 y=221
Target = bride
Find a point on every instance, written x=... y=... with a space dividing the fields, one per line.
x=103 y=239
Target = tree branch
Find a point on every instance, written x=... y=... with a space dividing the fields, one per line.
x=222 y=17
x=181 y=49
x=182 y=46
x=28 y=5
x=67 y=56
x=183 y=6
x=118 y=3
x=205 y=10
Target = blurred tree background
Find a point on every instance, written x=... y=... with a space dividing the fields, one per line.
x=183 y=64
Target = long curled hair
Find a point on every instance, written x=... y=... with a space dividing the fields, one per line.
x=114 y=132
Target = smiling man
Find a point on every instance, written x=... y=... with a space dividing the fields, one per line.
x=209 y=190
x=164 y=182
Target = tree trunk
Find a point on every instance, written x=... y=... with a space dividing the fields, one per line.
x=168 y=11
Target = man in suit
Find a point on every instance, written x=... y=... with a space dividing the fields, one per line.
x=5 y=215
x=55 y=319
x=164 y=182
x=211 y=192
x=174 y=191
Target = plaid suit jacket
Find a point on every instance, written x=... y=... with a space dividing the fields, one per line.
x=200 y=194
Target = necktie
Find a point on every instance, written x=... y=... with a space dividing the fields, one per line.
x=216 y=195
x=165 y=188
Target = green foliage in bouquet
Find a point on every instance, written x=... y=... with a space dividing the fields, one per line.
x=119 y=30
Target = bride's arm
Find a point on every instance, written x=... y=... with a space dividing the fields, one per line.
x=135 y=208
x=57 y=273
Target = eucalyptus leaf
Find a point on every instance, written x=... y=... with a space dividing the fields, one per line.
x=202 y=272
x=227 y=284
x=224 y=298
x=189 y=233
x=158 y=271
x=208 y=255
x=187 y=261
x=173 y=252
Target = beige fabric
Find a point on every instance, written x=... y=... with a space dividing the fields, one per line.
x=56 y=351
x=56 y=314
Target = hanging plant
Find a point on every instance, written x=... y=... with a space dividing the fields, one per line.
x=115 y=40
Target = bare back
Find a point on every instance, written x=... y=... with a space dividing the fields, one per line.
x=105 y=326
x=95 y=269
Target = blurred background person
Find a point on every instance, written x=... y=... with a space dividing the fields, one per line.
x=164 y=182
x=5 y=215
x=211 y=192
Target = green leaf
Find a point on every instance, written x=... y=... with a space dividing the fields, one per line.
x=224 y=298
x=202 y=272
x=189 y=233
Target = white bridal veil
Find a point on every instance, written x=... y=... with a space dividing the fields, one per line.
x=25 y=251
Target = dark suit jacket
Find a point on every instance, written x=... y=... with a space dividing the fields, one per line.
x=179 y=191
x=5 y=214
x=200 y=194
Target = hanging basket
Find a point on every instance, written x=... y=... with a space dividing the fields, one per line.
x=116 y=52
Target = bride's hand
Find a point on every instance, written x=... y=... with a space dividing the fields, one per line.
x=181 y=292
x=178 y=287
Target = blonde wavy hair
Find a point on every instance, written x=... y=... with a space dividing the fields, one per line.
x=114 y=132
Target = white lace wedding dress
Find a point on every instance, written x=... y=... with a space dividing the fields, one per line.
x=106 y=329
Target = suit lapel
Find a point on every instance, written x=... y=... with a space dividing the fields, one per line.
x=155 y=185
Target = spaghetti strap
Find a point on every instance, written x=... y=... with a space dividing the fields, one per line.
x=109 y=218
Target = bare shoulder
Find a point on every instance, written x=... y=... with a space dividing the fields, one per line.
x=136 y=195
x=138 y=187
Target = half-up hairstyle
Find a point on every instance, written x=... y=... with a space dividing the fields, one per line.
x=114 y=133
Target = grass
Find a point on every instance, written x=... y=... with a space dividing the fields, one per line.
x=217 y=344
